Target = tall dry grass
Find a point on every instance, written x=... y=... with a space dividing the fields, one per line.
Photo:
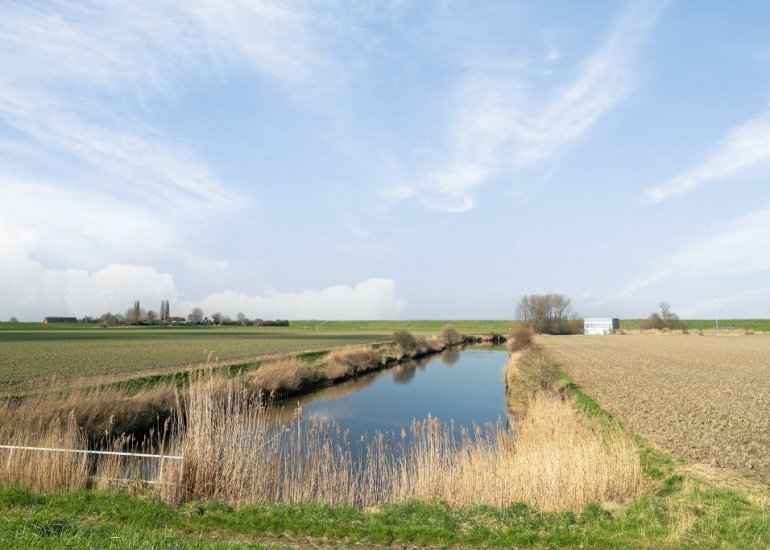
x=101 y=413
x=44 y=472
x=556 y=459
x=99 y=418
x=520 y=338
x=527 y=374
x=349 y=361
x=566 y=452
x=283 y=376
x=553 y=459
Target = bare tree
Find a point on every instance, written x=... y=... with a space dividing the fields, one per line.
x=450 y=335
x=195 y=316
x=217 y=318
x=545 y=313
x=663 y=320
x=134 y=314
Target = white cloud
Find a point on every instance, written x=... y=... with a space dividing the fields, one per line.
x=96 y=185
x=496 y=126
x=743 y=148
x=372 y=299
x=29 y=290
x=80 y=228
x=71 y=72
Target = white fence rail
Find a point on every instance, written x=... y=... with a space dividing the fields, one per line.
x=13 y=448
x=85 y=451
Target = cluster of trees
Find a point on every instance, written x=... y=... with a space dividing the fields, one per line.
x=240 y=319
x=137 y=315
x=548 y=314
x=551 y=314
x=666 y=319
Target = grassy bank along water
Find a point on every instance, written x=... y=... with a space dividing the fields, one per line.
x=568 y=459
x=677 y=512
x=234 y=454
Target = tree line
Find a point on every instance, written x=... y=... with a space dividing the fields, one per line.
x=136 y=315
x=552 y=314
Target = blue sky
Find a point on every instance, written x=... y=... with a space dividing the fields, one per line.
x=384 y=160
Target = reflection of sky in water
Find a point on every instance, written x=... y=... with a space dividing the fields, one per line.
x=466 y=388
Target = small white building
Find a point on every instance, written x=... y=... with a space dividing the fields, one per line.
x=600 y=325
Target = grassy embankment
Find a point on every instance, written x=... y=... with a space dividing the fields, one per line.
x=762 y=325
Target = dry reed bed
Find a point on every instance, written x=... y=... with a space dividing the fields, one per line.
x=702 y=397
x=571 y=458
x=104 y=413
x=556 y=459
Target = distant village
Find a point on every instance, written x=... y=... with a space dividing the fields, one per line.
x=136 y=315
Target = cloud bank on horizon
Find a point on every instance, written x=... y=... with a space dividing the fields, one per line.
x=334 y=160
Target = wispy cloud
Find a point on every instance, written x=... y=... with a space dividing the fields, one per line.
x=743 y=148
x=741 y=246
x=498 y=126
x=78 y=227
x=85 y=176
x=72 y=72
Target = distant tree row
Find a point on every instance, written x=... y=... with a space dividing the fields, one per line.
x=136 y=315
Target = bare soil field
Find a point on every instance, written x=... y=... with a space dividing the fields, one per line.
x=704 y=398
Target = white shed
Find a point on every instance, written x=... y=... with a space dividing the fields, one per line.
x=600 y=325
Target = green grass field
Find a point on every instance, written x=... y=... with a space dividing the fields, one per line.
x=418 y=327
x=710 y=324
x=29 y=356
x=681 y=514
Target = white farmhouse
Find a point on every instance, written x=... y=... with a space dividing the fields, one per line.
x=600 y=325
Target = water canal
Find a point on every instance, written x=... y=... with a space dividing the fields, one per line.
x=464 y=387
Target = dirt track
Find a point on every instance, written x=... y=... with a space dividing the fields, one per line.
x=704 y=398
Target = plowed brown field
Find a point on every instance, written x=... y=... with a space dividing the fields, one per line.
x=704 y=398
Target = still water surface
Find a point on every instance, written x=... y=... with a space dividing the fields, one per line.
x=461 y=386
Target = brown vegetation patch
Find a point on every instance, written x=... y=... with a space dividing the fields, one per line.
x=520 y=338
x=283 y=376
x=349 y=361
x=100 y=414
